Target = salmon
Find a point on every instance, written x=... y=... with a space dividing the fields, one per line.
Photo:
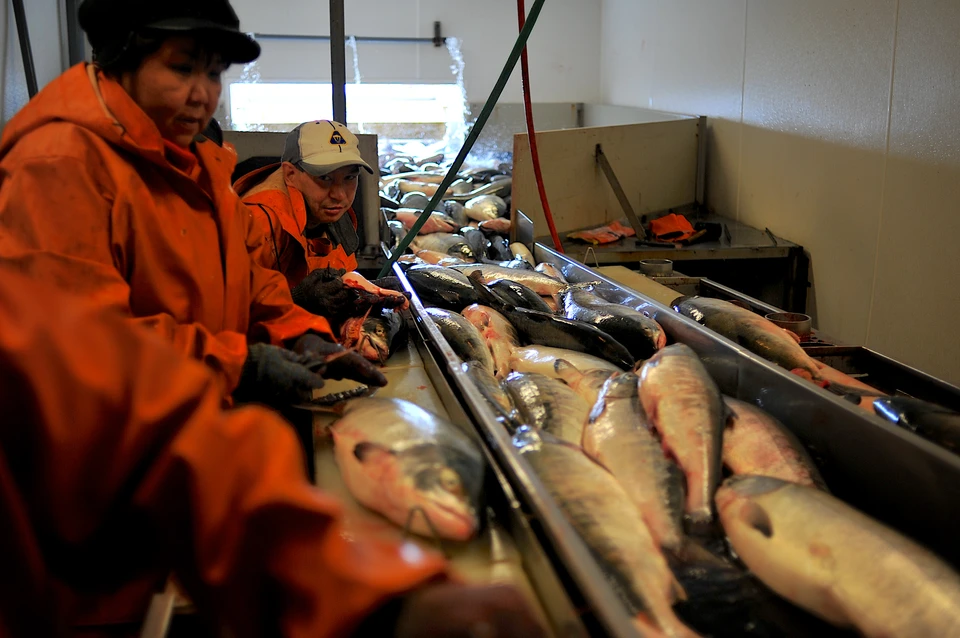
x=463 y=337
x=400 y=460
x=548 y=404
x=642 y=335
x=756 y=443
x=543 y=360
x=834 y=561
x=485 y=207
x=550 y=270
x=498 y=333
x=521 y=251
x=602 y=513
x=750 y=330
x=438 y=222
x=375 y=337
x=587 y=384
x=685 y=407
x=618 y=437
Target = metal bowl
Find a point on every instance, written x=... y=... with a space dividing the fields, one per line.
x=795 y=322
x=656 y=267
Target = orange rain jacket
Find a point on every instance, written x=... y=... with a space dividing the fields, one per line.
x=116 y=461
x=280 y=217
x=93 y=199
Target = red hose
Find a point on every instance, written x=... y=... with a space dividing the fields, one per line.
x=531 y=133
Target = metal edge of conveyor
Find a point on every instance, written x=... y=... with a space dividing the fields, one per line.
x=889 y=473
x=573 y=563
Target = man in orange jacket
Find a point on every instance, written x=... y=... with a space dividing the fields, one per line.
x=117 y=463
x=305 y=226
x=107 y=191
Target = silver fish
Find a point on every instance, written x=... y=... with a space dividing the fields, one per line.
x=493 y=392
x=684 y=405
x=485 y=207
x=463 y=337
x=550 y=270
x=395 y=458
x=543 y=360
x=520 y=250
x=821 y=554
x=618 y=437
x=451 y=244
x=499 y=334
x=548 y=404
x=537 y=282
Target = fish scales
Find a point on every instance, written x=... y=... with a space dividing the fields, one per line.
x=463 y=337
x=642 y=335
x=548 y=404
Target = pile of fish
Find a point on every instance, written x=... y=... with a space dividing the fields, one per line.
x=662 y=475
x=471 y=224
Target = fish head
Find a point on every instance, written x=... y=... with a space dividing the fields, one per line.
x=444 y=482
x=374 y=343
x=740 y=503
x=462 y=251
x=685 y=306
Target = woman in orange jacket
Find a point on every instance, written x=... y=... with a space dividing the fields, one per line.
x=117 y=463
x=108 y=191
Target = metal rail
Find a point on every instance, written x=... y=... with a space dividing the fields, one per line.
x=29 y=71
x=437 y=40
x=891 y=474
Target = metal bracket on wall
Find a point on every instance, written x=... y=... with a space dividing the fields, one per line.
x=618 y=191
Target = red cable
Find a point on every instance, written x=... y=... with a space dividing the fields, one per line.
x=531 y=133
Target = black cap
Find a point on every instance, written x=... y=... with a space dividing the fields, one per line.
x=109 y=21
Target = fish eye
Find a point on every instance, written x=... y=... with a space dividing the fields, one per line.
x=450 y=482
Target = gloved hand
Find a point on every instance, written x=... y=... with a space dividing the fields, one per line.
x=324 y=293
x=337 y=362
x=276 y=377
x=390 y=283
x=467 y=611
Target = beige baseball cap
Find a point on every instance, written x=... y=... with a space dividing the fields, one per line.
x=322 y=147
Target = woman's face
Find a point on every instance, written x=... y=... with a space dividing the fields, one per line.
x=178 y=86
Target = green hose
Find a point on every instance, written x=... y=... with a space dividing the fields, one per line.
x=471 y=138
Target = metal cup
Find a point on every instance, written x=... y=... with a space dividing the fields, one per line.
x=797 y=323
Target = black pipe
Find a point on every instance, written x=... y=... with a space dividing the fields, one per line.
x=338 y=61
x=25 y=50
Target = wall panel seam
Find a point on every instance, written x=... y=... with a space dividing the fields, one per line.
x=743 y=87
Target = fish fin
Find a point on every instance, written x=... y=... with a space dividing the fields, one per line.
x=793 y=335
x=756 y=517
x=367 y=450
x=677 y=589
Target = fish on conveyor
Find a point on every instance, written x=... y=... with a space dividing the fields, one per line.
x=618 y=437
x=756 y=443
x=516 y=263
x=686 y=409
x=824 y=556
x=396 y=457
x=485 y=207
x=938 y=424
x=415 y=200
x=444 y=287
x=499 y=226
x=642 y=335
x=499 y=251
x=451 y=244
x=538 y=283
x=750 y=330
x=548 y=404
x=514 y=294
x=499 y=334
x=375 y=337
x=426 y=188
x=520 y=250
x=476 y=240
x=456 y=212
x=492 y=391
x=439 y=259
x=547 y=329
x=397 y=232
x=438 y=222
x=602 y=513
x=587 y=383
x=462 y=336
x=550 y=270
x=543 y=360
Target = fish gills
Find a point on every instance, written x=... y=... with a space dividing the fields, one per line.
x=684 y=405
x=396 y=457
x=463 y=337
x=604 y=516
x=498 y=333
x=756 y=443
x=549 y=405
x=825 y=556
x=617 y=437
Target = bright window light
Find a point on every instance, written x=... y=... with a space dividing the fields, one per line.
x=256 y=106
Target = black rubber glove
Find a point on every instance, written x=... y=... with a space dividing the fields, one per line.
x=323 y=293
x=337 y=362
x=276 y=377
x=390 y=283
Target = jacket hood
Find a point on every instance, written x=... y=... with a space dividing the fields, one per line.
x=87 y=98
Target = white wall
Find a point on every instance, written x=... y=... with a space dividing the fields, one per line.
x=43 y=24
x=833 y=124
x=564 y=48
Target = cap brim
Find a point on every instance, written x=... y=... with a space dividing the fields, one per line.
x=233 y=45
x=320 y=171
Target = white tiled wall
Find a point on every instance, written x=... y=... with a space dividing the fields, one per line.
x=832 y=124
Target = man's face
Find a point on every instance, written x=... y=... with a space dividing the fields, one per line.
x=327 y=197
